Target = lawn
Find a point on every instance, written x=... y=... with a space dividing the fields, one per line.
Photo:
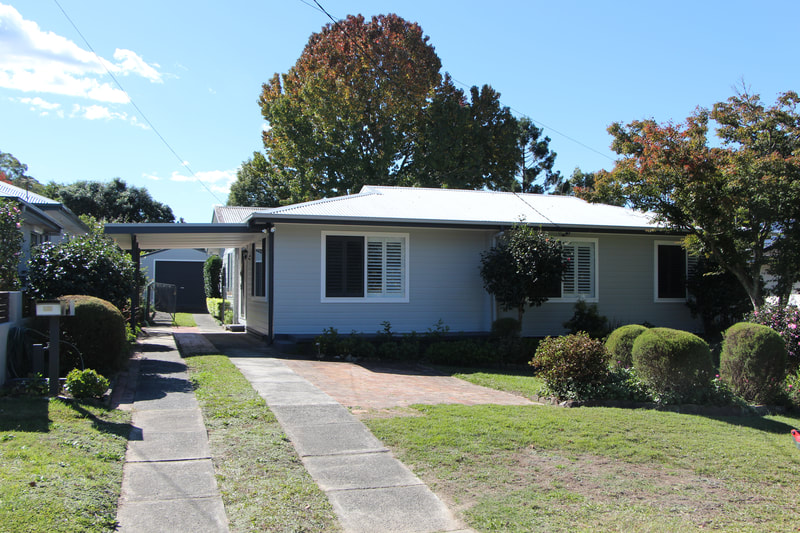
x=184 y=320
x=61 y=465
x=545 y=468
x=263 y=483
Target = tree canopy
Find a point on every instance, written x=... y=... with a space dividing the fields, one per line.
x=739 y=200
x=114 y=201
x=365 y=103
x=15 y=173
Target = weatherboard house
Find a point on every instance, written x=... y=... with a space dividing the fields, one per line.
x=411 y=256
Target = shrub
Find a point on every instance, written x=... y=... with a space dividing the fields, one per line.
x=717 y=297
x=675 y=364
x=587 y=318
x=98 y=330
x=784 y=320
x=464 y=352
x=90 y=264
x=620 y=344
x=212 y=269
x=86 y=383
x=10 y=245
x=504 y=328
x=573 y=366
x=753 y=362
x=214 y=305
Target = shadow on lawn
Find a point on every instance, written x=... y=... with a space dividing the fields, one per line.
x=757 y=422
x=103 y=426
x=27 y=414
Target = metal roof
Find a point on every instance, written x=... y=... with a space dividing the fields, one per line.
x=443 y=207
x=12 y=191
x=226 y=214
x=165 y=236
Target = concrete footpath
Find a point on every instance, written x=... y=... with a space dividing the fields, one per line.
x=168 y=478
x=168 y=481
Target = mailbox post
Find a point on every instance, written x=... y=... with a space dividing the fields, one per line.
x=54 y=309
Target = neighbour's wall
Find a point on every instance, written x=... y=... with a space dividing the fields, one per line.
x=444 y=283
x=14 y=320
x=626 y=293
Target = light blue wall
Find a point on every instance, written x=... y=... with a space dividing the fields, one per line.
x=444 y=283
x=626 y=265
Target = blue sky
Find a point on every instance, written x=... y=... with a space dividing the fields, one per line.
x=195 y=70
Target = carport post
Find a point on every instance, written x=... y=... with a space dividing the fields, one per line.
x=136 y=256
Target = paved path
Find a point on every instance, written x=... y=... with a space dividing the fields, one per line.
x=168 y=481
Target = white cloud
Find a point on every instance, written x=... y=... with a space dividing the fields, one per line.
x=33 y=60
x=99 y=112
x=216 y=180
x=39 y=104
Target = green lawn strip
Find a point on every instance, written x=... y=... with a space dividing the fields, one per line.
x=60 y=465
x=263 y=483
x=522 y=468
x=516 y=383
x=184 y=320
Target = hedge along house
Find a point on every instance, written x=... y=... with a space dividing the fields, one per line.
x=411 y=256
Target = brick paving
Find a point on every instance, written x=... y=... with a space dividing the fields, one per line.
x=384 y=386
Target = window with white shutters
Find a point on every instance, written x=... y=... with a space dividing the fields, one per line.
x=375 y=270
x=580 y=277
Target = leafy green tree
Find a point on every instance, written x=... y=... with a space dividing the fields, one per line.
x=740 y=201
x=10 y=245
x=16 y=173
x=114 y=201
x=523 y=269
x=257 y=184
x=464 y=143
x=90 y=264
x=537 y=162
x=340 y=117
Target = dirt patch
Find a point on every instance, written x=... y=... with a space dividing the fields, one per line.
x=369 y=413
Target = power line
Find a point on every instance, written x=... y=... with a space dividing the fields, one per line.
x=133 y=103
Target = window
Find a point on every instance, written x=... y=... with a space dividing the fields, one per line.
x=580 y=277
x=259 y=253
x=365 y=266
x=671 y=272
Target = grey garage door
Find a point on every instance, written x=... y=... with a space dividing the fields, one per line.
x=187 y=276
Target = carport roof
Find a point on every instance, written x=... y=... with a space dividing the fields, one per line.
x=161 y=236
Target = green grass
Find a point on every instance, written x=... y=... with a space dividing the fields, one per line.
x=60 y=465
x=544 y=468
x=516 y=383
x=184 y=320
x=263 y=483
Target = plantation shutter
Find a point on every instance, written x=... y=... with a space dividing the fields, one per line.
x=385 y=266
x=578 y=279
x=344 y=266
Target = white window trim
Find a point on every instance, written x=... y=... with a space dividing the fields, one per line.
x=366 y=298
x=656 y=299
x=595 y=271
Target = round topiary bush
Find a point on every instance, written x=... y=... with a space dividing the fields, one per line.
x=98 y=330
x=675 y=364
x=753 y=361
x=573 y=366
x=620 y=344
x=86 y=383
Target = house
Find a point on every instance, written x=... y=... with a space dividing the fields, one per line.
x=43 y=219
x=411 y=256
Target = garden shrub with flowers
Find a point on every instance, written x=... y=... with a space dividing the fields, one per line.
x=784 y=320
x=753 y=362
x=10 y=245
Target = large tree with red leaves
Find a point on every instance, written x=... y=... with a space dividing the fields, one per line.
x=739 y=200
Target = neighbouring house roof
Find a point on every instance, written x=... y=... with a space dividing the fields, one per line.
x=453 y=207
x=12 y=191
x=225 y=214
x=45 y=210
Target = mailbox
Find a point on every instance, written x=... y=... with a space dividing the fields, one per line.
x=55 y=308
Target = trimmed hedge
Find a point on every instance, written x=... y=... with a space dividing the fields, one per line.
x=573 y=366
x=675 y=364
x=753 y=361
x=98 y=330
x=620 y=344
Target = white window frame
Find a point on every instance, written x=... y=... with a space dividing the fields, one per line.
x=367 y=298
x=571 y=298
x=687 y=271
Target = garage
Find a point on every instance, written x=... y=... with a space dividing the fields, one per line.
x=187 y=276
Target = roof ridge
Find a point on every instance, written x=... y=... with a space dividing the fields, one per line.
x=321 y=201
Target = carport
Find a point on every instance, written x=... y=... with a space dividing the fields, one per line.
x=137 y=237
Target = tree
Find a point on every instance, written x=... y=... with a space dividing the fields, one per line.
x=524 y=268
x=596 y=187
x=464 y=143
x=15 y=173
x=537 y=161
x=10 y=245
x=90 y=264
x=114 y=201
x=257 y=184
x=739 y=202
x=340 y=117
